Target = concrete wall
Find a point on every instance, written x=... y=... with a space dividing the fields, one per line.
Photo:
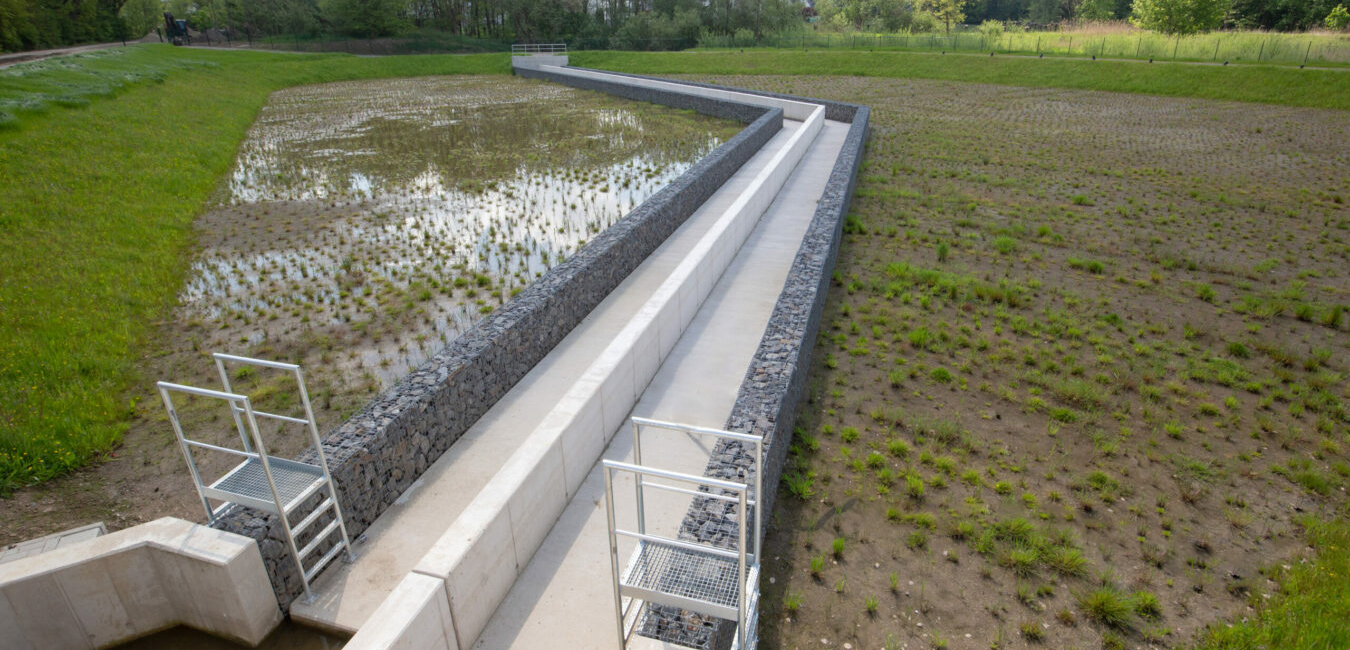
x=538 y=60
x=415 y=616
x=135 y=582
x=378 y=453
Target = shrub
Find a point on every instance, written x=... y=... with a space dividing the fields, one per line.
x=1179 y=16
x=1339 y=18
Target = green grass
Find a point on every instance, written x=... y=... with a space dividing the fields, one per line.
x=1264 y=84
x=1313 y=605
x=1110 y=42
x=95 y=216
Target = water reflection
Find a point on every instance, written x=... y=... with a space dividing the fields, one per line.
x=391 y=215
x=288 y=636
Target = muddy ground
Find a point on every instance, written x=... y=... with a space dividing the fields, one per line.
x=1082 y=371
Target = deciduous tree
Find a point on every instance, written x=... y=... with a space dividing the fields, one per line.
x=1179 y=16
x=947 y=11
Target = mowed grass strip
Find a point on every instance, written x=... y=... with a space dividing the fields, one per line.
x=1313 y=604
x=1264 y=84
x=96 y=212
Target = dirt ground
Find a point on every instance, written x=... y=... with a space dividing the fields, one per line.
x=1081 y=372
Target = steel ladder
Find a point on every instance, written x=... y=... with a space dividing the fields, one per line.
x=264 y=482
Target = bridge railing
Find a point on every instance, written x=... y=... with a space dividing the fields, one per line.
x=539 y=48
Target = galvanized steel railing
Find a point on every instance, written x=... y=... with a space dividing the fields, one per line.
x=539 y=48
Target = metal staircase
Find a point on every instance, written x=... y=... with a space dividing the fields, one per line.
x=695 y=576
x=269 y=483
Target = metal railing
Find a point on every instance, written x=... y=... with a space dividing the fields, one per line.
x=691 y=575
x=539 y=48
x=262 y=481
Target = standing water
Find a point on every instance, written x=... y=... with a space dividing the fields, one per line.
x=366 y=224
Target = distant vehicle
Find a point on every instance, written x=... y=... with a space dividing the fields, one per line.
x=176 y=30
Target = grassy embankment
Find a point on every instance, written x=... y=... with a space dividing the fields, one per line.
x=1264 y=84
x=106 y=160
x=1102 y=41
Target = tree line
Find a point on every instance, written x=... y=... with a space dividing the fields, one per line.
x=36 y=24
x=1167 y=16
x=619 y=24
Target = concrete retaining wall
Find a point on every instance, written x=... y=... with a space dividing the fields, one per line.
x=378 y=453
x=135 y=582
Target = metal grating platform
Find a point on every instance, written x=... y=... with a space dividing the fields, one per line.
x=679 y=572
x=249 y=481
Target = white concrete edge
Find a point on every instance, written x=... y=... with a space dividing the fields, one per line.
x=792 y=110
x=415 y=616
x=124 y=585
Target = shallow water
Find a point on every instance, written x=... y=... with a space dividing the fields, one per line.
x=377 y=220
x=287 y=636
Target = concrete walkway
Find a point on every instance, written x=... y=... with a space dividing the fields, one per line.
x=346 y=595
x=564 y=598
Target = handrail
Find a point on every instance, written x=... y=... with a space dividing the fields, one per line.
x=675 y=476
x=283 y=418
x=746 y=438
x=688 y=546
x=246 y=421
x=266 y=363
x=539 y=48
x=740 y=554
x=696 y=493
x=720 y=433
x=207 y=445
x=202 y=392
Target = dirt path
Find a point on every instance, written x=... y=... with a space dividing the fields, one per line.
x=14 y=58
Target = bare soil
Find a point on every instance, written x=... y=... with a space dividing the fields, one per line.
x=1079 y=347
